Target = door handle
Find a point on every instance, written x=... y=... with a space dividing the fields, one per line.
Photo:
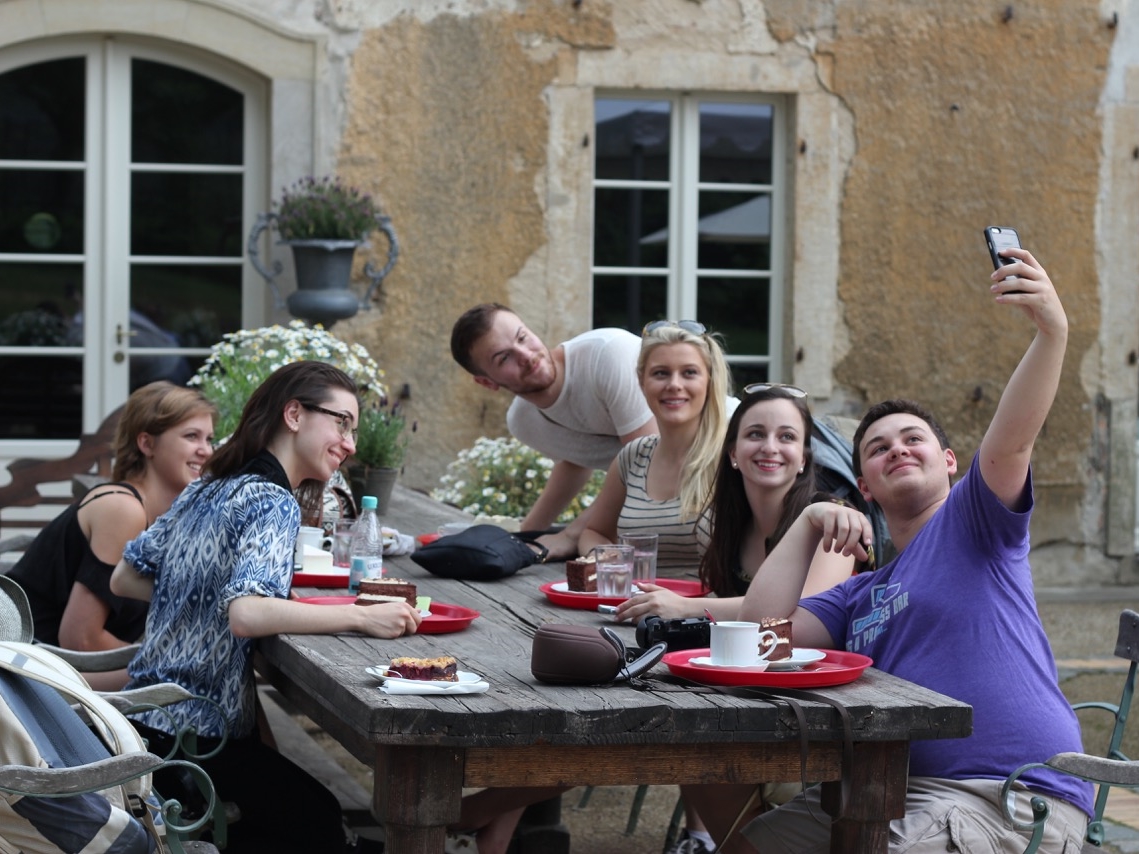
x=119 y=333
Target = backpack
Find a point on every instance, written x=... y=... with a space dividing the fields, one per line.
x=39 y=728
x=833 y=454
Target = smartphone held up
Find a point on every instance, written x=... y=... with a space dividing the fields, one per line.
x=998 y=237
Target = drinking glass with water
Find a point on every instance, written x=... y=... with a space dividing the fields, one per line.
x=614 y=571
x=644 y=556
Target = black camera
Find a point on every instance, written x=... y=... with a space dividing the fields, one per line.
x=687 y=633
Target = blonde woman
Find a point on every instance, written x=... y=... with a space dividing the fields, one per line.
x=660 y=483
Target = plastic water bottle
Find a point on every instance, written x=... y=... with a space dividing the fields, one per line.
x=367 y=551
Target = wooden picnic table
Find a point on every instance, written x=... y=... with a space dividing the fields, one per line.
x=425 y=749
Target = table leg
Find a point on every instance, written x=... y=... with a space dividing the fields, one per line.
x=878 y=781
x=418 y=791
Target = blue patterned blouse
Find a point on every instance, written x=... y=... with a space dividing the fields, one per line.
x=222 y=539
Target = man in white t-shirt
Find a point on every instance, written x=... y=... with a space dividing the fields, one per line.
x=578 y=403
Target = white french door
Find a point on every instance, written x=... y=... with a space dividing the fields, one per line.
x=127 y=186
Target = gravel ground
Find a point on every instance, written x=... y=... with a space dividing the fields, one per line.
x=1081 y=626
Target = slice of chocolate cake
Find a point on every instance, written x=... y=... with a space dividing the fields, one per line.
x=376 y=590
x=581 y=574
x=444 y=668
x=781 y=627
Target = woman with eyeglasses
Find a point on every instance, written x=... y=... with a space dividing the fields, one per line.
x=217 y=570
x=660 y=483
x=163 y=438
x=765 y=477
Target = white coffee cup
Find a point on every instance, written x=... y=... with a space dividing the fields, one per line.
x=307 y=537
x=736 y=643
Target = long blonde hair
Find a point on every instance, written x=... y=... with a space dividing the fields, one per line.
x=699 y=472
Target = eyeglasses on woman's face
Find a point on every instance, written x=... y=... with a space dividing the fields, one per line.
x=693 y=326
x=792 y=390
x=343 y=420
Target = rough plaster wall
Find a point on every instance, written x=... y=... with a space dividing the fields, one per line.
x=447 y=122
x=962 y=121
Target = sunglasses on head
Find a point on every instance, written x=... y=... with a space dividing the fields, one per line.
x=792 y=390
x=693 y=326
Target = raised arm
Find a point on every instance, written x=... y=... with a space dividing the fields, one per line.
x=566 y=481
x=1007 y=446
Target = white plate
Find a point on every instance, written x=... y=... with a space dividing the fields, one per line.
x=799 y=658
x=563 y=587
x=469 y=683
x=706 y=661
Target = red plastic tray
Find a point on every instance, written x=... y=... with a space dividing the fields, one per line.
x=837 y=668
x=321 y=579
x=444 y=618
x=590 y=601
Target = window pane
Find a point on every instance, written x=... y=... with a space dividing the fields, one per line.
x=628 y=302
x=739 y=309
x=743 y=375
x=178 y=116
x=735 y=143
x=195 y=305
x=40 y=305
x=186 y=215
x=42 y=111
x=735 y=231
x=41 y=211
x=630 y=228
x=42 y=397
x=632 y=139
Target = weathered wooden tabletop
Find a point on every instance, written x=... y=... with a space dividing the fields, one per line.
x=424 y=749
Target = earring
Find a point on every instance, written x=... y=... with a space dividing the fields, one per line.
x=801 y=469
x=735 y=465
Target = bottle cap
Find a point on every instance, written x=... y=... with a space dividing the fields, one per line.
x=368 y=502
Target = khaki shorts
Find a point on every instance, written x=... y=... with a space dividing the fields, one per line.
x=941 y=815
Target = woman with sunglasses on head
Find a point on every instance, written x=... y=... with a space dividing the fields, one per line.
x=163 y=438
x=765 y=478
x=217 y=570
x=660 y=483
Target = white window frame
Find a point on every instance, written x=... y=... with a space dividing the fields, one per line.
x=684 y=187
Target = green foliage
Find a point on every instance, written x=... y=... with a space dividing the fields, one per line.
x=325 y=209
x=242 y=360
x=383 y=437
x=503 y=477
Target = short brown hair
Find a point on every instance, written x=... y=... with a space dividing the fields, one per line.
x=468 y=329
x=153 y=409
x=893 y=407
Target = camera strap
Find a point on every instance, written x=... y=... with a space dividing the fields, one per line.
x=792 y=699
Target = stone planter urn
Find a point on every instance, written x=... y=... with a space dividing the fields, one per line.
x=370 y=480
x=323 y=270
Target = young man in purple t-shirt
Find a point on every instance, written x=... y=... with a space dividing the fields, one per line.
x=961 y=582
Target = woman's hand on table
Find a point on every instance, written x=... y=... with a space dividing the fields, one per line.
x=660 y=601
x=388 y=619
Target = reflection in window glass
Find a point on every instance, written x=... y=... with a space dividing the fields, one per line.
x=175 y=214
x=42 y=397
x=195 y=305
x=628 y=302
x=40 y=305
x=735 y=143
x=739 y=310
x=735 y=231
x=41 y=211
x=632 y=139
x=178 y=116
x=630 y=227
x=42 y=111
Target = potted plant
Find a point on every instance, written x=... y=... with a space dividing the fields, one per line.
x=381 y=445
x=323 y=221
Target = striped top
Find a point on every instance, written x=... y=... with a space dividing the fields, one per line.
x=681 y=543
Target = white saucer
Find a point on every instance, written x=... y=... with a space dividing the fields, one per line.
x=563 y=587
x=468 y=683
x=706 y=661
x=799 y=658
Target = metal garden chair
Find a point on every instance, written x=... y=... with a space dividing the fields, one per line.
x=1113 y=769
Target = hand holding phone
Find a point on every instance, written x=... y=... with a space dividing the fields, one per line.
x=998 y=238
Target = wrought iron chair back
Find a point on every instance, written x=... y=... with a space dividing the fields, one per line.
x=1112 y=769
